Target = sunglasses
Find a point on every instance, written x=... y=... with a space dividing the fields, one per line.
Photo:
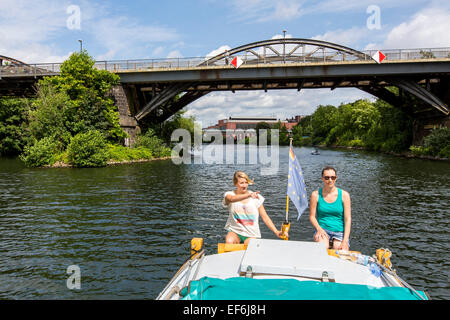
x=329 y=177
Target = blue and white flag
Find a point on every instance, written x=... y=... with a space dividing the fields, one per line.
x=296 y=189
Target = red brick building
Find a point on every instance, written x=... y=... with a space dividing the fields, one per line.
x=244 y=123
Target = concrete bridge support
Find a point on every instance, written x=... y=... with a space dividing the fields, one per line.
x=126 y=117
x=423 y=125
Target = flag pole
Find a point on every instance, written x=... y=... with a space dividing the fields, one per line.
x=287 y=196
x=286 y=225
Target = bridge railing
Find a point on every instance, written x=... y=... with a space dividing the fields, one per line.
x=248 y=58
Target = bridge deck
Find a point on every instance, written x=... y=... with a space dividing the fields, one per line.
x=277 y=65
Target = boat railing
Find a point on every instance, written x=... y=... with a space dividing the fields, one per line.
x=250 y=271
x=184 y=271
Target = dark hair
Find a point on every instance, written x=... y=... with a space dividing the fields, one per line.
x=329 y=168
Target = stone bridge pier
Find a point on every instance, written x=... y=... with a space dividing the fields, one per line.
x=126 y=117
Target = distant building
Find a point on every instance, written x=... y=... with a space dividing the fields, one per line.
x=244 y=123
x=248 y=123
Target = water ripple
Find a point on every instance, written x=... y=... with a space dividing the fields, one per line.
x=129 y=227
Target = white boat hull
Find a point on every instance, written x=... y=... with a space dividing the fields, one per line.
x=277 y=259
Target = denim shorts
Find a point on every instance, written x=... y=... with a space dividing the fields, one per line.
x=339 y=236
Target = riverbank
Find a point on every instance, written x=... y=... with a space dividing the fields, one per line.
x=405 y=154
x=61 y=164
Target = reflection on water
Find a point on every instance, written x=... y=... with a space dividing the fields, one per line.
x=128 y=227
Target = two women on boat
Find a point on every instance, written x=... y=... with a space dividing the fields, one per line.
x=330 y=212
x=245 y=207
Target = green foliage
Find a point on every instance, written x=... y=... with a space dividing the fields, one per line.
x=437 y=140
x=302 y=131
x=76 y=111
x=445 y=152
x=121 y=153
x=47 y=116
x=88 y=149
x=393 y=131
x=40 y=153
x=283 y=134
x=427 y=54
x=303 y=128
x=87 y=104
x=419 y=150
x=322 y=122
x=371 y=125
x=164 y=130
x=150 y=141
x=12 y=115
x=355 y=143
x=263 y=126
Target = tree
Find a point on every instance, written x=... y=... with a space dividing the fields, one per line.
x=351 y=122
x=283 y=135
x=76 y=103
x=262 y=126
x=392 y=131
x=12 y=115
x=89 y=105
x=438 y=140
x=177 y=121
x=322 y=122
x=302 y=132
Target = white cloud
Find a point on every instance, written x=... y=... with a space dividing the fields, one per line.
x=346 y=37
x=33 y=32
x=327 y=6
x=27 y=30
x=174 y=54
x=428 y=28
x=278 y=103
x=217 y=51
x=266 y=10
x=158 y=51
x=125 y=38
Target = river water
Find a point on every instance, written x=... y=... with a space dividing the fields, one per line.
x=128 y=227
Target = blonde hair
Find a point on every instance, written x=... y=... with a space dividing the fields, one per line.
x=241 y=174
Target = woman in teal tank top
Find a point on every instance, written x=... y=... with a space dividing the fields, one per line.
x=330 y=212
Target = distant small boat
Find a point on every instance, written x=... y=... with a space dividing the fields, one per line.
x=315 y=152
x=195 y=152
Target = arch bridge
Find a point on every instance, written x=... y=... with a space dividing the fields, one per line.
x=155 y=89
x=160 y=90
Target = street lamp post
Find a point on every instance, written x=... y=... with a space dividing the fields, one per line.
x=81 y=45
x=284 y=46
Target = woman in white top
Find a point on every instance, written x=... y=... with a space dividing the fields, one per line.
x=245 y=207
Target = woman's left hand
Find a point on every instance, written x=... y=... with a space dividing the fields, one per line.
x=279 y=233
x=254 y=195
x=344 y=245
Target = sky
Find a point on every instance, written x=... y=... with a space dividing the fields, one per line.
x=41 y=31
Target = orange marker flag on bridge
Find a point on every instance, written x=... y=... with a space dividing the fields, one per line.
x=236 y=62
x=378 y=56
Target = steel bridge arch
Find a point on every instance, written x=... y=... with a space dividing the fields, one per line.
x=291 y=56
x=13 y=61
x=162 y=104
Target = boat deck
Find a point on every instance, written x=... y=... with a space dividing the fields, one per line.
x=275 y=259
x=266 y=258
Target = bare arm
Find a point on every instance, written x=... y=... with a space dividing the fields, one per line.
x=265 y=217
x=313 y=209
x=312 y=215
x=347 y=219
x=239 y=197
